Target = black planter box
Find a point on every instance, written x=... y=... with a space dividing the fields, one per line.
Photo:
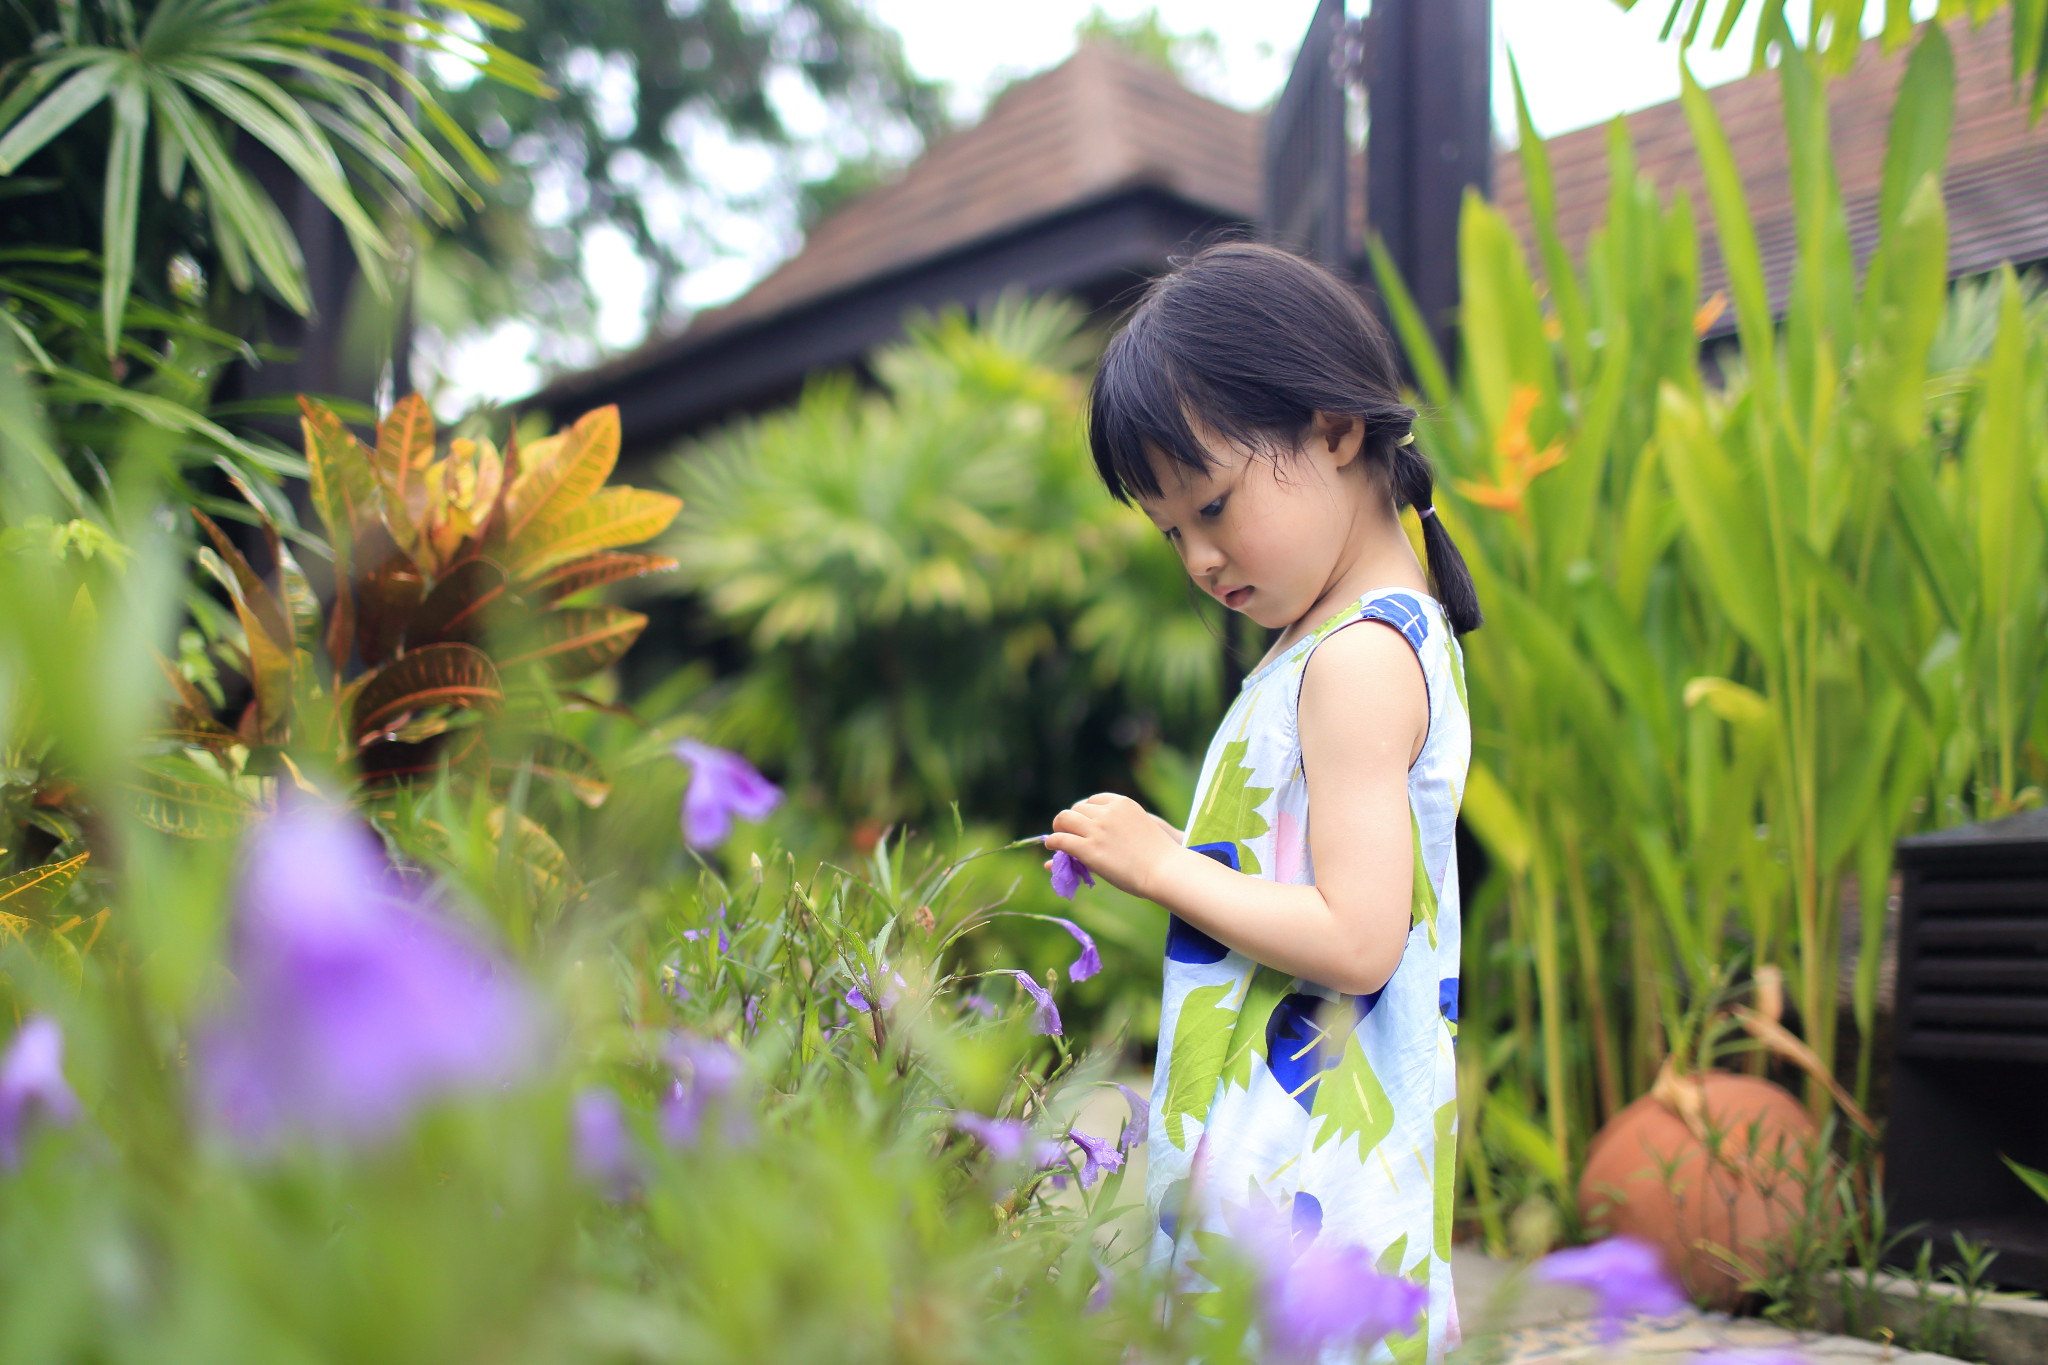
x=1970 y=1070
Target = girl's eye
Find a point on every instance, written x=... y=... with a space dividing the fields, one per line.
x=1214 y=509
x=1171 y=533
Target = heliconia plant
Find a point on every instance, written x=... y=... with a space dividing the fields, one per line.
x=460 y=591
x=1743 y=632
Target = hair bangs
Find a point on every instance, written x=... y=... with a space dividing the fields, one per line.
x=1139 y=404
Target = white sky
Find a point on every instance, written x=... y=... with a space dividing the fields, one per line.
x=1581 y=61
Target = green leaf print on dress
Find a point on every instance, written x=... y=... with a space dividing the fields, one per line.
x=1446 y=1174
x=1201 y=1041
x=1423 y=898
x=1229 y=811
x=1248 y=1040
x=1352 y=1101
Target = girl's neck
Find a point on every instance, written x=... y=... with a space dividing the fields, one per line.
x=1376 y=554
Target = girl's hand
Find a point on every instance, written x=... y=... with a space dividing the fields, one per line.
x=1118 y=839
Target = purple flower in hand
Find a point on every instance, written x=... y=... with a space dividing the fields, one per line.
x=1141 y=1118
x=1046 y=1018
x=1627 y=1278
x=1098 y=1157
x=1068 y=872
x=706 y=1071
x=357 y=1002
x=722 y=786
x=603 y=1147
x=1090 y=961
x=1332 y=1296
x=32 y=1081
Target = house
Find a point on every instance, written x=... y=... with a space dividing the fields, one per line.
x=1083 y=180
x=1087 y=179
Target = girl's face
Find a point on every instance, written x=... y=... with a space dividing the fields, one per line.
x=1268 y=534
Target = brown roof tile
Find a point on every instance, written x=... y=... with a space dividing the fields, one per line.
x=1996 y=185
x=1100 y=121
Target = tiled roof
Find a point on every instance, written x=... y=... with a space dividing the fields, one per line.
x=1996 y=187
x=1099 y=122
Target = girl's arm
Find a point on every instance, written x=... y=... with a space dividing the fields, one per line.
x=1363 y=717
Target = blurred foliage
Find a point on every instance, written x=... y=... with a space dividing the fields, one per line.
x=936 y=602
x=1834 y=28
x=826 y=1204
x=653 y=103
x=1741 y=636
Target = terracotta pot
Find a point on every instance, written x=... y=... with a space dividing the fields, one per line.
x=1712 y=1160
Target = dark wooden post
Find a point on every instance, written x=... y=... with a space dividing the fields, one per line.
x=1429 y=136
x=1307 y=202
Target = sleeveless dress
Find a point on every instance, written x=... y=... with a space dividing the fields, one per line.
x=1276 y=1096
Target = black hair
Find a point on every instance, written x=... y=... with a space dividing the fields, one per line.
x=1252 y=342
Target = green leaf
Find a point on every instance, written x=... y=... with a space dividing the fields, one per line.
x=439 y=675
x=177 y=798
x=581 y=575
x=615 y=517
x=2036 y=1180
x=575 y=642
x=1922 y=112
x=63 y=107
x=123 y=197
x=1737 y=234
x=34 y=891
x=568 y=475
x=1416 y=337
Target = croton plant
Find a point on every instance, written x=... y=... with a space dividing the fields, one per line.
x=461 y=589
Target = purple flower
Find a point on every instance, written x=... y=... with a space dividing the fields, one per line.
x=980 y=1004
x=1090 y=961
x=857 y=997
x=1105 y=1288
x=706 y=1071
x=603 y=1148
x=1098 y=1157
x=358 y=1003
x=1046 y=1018
x=752 y=1012
x=1141 y=1118
x=1068 y=872
x=1333 y=1296
x=1626 y=1276
x=670 y=980
x=1007 y=1139
x=32 y=1080
x=1748 y=1358
x=722 y=786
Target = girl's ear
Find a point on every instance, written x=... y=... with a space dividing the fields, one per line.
x=1339 y=436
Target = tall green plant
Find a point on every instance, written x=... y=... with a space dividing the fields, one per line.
x=935 y=600
x=1743 y=634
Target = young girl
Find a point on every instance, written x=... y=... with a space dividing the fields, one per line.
x=1250 y=408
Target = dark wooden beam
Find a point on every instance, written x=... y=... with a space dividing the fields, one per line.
x=1429 y=137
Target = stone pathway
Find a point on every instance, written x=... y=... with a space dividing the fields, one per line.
x=1511 y=1321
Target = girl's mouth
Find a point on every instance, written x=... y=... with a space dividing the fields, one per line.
x=1237 y=597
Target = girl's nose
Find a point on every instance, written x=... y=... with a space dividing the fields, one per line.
x=1204 y=558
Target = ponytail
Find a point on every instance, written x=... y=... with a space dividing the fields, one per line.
x=1415 y=486
x=1253 y=342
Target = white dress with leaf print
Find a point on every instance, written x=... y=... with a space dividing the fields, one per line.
x=1338 y=1111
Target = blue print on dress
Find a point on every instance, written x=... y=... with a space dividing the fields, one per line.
x=1447 y=998
x=1308 y=1220
x=1403 y=613
x=1294 y=1047
x=1186 y=943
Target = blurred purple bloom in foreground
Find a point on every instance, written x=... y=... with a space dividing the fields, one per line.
x=980 y=1004
x=1626 y=1276
x=1141 y=1119
x=1046 y=1018
x=1333 y=1296
x=603 y=1146
x=358 y=1003
x=1090 y=961
x=1748 y=1358
x=722 y=786
x=1105 y=1288
x=706 y=1071
x=1099 y=1157
x=32 y=1079
x=1006 y=1139
x=1068 y=872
